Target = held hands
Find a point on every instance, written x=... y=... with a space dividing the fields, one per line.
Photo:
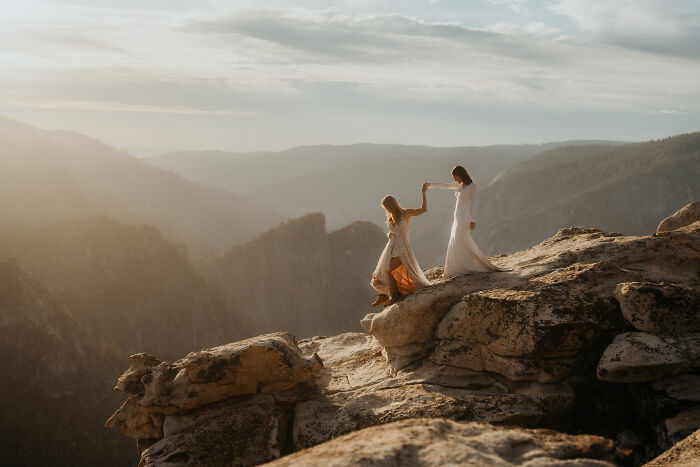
x=472 y=225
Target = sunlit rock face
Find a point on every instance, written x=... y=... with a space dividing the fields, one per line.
x=551 y=343
x=661 y=307
x=438 y=441
x=570 y=313
x=228 y=393
x=686 y=453
x=685 y=216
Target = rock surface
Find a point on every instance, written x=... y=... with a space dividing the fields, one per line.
x=659 y=307
x=358 y=389
x=438 y=442
x=173 y=406
x=233 y=433
x=635 y=357
x=680 y=426
x=544 y=345
x=684 y=454
x=547 y=320
x=685 y=216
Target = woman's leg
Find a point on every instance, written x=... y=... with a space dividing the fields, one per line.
x=395 y=295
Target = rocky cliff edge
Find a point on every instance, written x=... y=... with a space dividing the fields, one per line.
x=590 y=332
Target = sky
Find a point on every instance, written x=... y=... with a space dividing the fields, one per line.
x=154 y=76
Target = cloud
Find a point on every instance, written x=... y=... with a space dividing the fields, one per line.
x=518 y=6
x=358 y=71
x=649 y=26
x=329 y=35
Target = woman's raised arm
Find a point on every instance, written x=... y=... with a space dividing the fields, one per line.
x=423 y=208
x=451 y=186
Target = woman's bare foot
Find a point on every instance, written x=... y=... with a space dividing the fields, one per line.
x=395 y=297
x=381 y=298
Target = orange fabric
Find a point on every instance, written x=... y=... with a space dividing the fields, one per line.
x=403 y=280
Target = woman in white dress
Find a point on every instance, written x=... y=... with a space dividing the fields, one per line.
x=398 y=273
x=463 y=256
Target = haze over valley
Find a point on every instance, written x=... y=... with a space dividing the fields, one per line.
x=190 y=221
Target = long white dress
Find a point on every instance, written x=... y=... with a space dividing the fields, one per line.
x=410 y=277
x=463 y=256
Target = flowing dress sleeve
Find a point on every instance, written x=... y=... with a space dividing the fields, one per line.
x=451 y=186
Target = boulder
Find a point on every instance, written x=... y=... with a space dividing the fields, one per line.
x=659 y=307
x=265 y=364
x=142 y=364
x=639 y=356
x=438 y=442
x=222 y=405
x=687 y=215
x=480 y=357
x=683 y=387
x=232 y=432
x=685 y=453
x=407 y=329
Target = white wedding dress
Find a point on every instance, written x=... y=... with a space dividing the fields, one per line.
x=409 y=277
x=463 y=256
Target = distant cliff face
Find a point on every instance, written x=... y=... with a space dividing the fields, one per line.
x=126 y=285
x=289 y=277
x=53 y=381
x=101 y=290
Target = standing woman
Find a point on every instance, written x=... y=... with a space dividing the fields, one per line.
x=398 y=273
x=463 y=256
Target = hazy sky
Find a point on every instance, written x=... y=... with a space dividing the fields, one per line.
x=152 y=76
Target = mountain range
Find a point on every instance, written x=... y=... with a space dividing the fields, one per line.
x=627 y=189
x=526 y=192
x=346 y=183
x=112 y=256
x=49 y=176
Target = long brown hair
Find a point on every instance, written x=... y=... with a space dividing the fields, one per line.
x=463 y=175
x=394 y=211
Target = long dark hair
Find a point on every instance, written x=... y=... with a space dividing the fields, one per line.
x=462 y=174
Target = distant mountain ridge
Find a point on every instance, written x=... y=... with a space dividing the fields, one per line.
x=344 y=182
x=628 y=189
x=49 y=176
